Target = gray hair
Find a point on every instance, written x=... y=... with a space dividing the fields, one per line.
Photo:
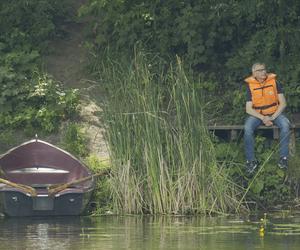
x=257 y=64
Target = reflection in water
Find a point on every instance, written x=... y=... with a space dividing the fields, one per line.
x=147 y=232
x=39 y=233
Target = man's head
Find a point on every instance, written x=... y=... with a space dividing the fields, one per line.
x=259 y=71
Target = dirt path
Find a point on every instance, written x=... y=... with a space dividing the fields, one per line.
x=66 y=63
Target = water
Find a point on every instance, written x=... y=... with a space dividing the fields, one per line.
x=137 y=232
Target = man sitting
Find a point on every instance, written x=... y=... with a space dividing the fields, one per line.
x=265 y=104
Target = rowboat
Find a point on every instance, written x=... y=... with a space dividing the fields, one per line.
x=40 y=179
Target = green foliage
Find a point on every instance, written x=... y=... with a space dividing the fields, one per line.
x=7 y=140
x=101 y=198
x=294 y=172
x=30 y=24
x=96 y=164
x=271 y=185
x=30 y=99
x=39 y=106
x=219 y=40
x=270 y=188
x=163 y=160
x=14 y=73
x=74 y=140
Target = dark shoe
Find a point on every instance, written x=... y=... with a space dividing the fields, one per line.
x=251 y=166
x=283 y=163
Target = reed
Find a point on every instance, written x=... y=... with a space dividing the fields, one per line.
x=163 y=158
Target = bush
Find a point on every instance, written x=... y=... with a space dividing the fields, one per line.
x=218 y=39
x=74 y=140
x=41 y=107
x=28 y=98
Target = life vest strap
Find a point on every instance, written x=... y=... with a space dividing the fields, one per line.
x=263 y=87
x=266 y=106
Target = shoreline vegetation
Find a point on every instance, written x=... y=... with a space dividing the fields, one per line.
x=156 y=105
x=163 y=158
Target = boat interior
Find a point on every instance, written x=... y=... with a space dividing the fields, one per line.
x=39 y=164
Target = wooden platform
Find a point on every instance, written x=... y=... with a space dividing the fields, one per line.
x=235 y=131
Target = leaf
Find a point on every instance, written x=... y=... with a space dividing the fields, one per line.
x=257 y=186
x=280 y=172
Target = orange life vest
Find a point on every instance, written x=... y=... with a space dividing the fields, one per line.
x=264 y=95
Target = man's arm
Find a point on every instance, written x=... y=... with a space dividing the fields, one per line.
x=281 y=106
x=267 y=120
x=251 y=111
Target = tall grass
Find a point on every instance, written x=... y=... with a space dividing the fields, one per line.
x=163 y=158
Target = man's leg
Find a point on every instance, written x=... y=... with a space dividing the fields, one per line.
x=284 y=125
x=250 y=125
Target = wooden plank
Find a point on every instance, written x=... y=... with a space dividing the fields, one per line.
x=275 y=133
x=233 y=134
x=241 y=127
x=234 y=129
x=225 y=127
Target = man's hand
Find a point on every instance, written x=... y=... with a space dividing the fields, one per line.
x=267 y=120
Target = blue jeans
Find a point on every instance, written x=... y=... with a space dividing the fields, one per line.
x=252 y=123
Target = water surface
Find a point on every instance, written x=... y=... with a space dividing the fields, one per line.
x=147 y=232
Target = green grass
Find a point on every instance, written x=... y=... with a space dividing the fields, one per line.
x=163 y=159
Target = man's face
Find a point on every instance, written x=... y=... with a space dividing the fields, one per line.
x=260 y=73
